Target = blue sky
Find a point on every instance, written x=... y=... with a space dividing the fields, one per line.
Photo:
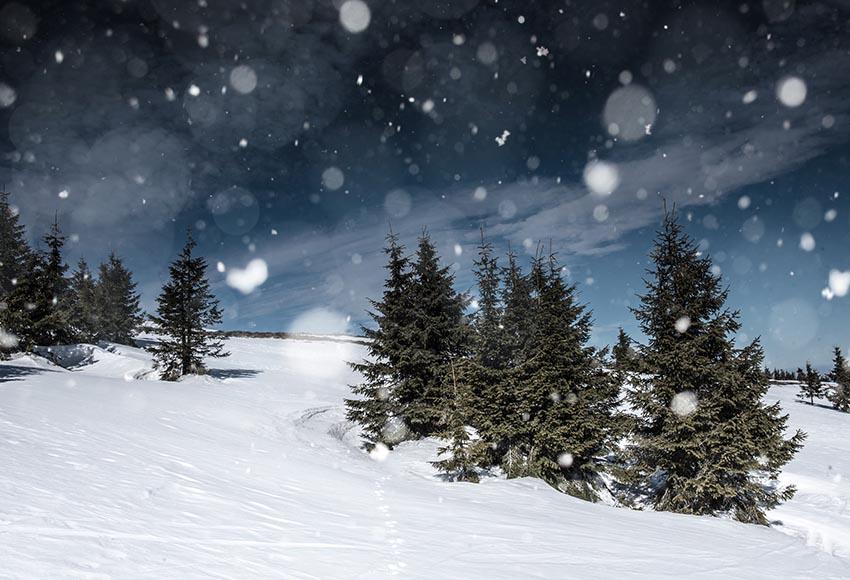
x=156 y=116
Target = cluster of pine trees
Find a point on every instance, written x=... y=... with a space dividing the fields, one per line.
x=838 y=393
x=516 y=384
x=43 y=306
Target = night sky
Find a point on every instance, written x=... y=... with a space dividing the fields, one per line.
x=294 y=131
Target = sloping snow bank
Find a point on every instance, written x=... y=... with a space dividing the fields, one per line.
x=253 y=472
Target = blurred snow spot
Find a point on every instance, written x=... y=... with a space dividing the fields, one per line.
x=507 y=209
x=791 y=91
x=683 y=324
x=565 y=460
x=600 y=213
x=458 y=249
x=194 y=90
x=744 y=202
x=480 y=193
x=59 y=56
x=628 y=112
x=220 y=267
x=7 y=96
x=243 y=79
x=333 y=178
x=807 y=242
x=7 y=339
x=254 y=274
x=487 y=53
x=749 y=97
x=397 y=203
x=839 y=284
x=684 y=403
x=379 y=452
x=354 y=15
x=601 y=177
x=63 y=194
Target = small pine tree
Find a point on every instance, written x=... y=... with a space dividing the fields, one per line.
x=705 y=442
x=840 y=375
x=118 y=302
x=185 y=310
x=438 y=332
x=624 y=353
x=811 y=387
x=388 y=344
x=800 y=377
x=462 y=453
x=84 y=316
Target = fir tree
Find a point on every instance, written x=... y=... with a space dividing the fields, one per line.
x=485 y=370
x=800 y=377
x=705 y=442
x=49 y=294
x=461 y=453
x=438 y=333
x=118 y=302
x=567 y=399
x=84 y=315
x=840 y=375
x=185 y=310
x=388 y=345
x=516 y=319
x=623 y=352
x=811 y=387
x=14 y=251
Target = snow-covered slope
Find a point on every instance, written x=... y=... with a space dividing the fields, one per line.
x=252 y=472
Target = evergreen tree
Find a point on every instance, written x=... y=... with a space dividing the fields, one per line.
x=388 y=345
x=461 y=453
x=438 y=333
x=811 y=387
x=84 y=315
x=624 y=354
x=705 y=442
x=185 y=310
x=840 y=375
x=14 y=251
x=485 y=370
x=567 y=400
x=118 y=302
x=44 y=299
x=516 y=319
x=800 y=377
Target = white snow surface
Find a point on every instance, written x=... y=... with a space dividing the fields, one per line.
x=253 y=472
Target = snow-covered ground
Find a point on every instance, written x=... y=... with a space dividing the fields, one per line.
x=252 y=472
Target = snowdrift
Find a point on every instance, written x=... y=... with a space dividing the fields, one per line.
x=253 y=472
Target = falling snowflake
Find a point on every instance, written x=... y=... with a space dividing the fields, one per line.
x=542 y=51
x=503 y=138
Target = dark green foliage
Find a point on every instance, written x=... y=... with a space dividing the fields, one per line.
x=14 y=251
x=705 y=443
x=462 y=453
x=566 y=400
x=840 y=375
x=811 y=387
x=625 y=358
x=119 y=314
x=39 y=307
x=388 y=347
x=438 y=332
x=84 y=313
x=185 y=310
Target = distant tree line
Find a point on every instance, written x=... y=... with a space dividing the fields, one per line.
x=42 y=305
x=515 y=385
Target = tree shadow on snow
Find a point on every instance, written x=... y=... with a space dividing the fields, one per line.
x=232 y=373
x=19 y=373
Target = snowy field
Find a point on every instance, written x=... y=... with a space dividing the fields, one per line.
x=252 y=472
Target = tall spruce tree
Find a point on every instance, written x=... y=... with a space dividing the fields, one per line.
x=484 y=371
x=567 y=399
x=14 y=250
x=705 y=442
x=118 y=302
x=186 y=308
x=84 y=313
x=389 y=343
x=840 y=375
x=811 y=387
x=52 y=300
x=438 y=333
